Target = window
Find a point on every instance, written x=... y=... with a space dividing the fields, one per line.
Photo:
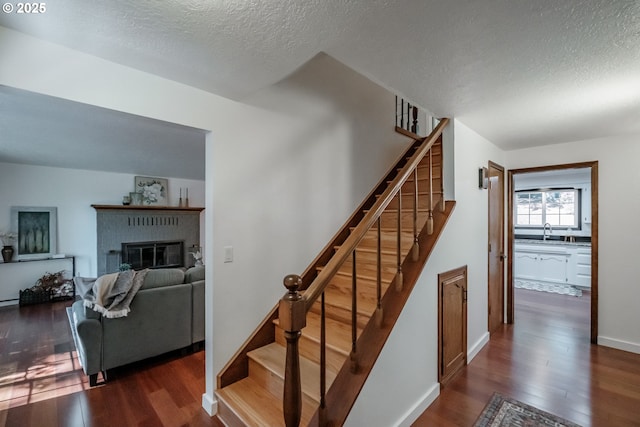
x=534 y=208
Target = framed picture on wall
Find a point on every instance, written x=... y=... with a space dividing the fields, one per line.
x=155 y=191
x=37 y=231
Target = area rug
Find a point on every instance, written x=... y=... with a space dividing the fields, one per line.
x=548 y=287
x=505 y=412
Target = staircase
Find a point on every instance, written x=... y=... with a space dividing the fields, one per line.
x=345 y=304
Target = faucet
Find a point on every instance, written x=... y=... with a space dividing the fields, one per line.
x=544 y=231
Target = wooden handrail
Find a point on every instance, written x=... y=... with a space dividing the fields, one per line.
x=322 y=280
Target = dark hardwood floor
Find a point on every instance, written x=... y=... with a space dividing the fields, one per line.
x=42 y=384
x=545 y=360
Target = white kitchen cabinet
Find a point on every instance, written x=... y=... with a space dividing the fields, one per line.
x=583 y=268
x=552 y=263
x=541 y=263
x=525 y=264
x=553 y=267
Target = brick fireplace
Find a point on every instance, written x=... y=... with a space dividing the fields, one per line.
x=141 y=235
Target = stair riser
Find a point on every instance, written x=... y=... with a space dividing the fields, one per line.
x=274 y=383
x=368 y=268
x=436 y=148
x=388 y=242
x=389 y=219
x=369 y=259
x=423 y=186
x=370 y=272
x=423 y=174
x=227 y=416
x=408 y=201
x=310 y=348
x=342 y=283
x=342 y=314
x=367 y=289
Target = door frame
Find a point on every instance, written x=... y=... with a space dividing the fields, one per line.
x=501 y=227
x=594 y=236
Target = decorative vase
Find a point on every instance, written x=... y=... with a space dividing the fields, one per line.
x=7 y=253
x=136 y=198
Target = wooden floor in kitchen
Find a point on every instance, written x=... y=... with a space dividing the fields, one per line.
x=545 y=360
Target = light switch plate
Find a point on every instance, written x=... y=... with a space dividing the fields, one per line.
x=228 y=254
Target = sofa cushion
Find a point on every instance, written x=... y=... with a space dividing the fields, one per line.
x=194 y=274
x=163 y=277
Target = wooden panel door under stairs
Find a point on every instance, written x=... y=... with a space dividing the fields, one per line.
x=257 y=399
x=452 y=323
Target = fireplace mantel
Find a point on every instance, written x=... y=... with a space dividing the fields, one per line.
x=146 y=208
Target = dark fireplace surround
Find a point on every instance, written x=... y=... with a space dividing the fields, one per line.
x=156 y=254
x=145 y=236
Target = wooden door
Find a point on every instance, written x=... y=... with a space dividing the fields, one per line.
x=452 y=323
x=496 y=246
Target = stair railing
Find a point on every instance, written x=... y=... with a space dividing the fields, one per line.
x=407 y=116
x=294 y=305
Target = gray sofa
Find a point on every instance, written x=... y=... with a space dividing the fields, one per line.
x=166 y=314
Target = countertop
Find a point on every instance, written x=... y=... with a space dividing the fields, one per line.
x=552 y=242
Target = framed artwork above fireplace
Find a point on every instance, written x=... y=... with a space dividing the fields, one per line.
x=155 y=191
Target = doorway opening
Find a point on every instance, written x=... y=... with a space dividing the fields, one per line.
x=553 y=237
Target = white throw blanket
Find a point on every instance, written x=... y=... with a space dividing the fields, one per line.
x=112 y=294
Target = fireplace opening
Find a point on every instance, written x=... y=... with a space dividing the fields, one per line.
x=159 y=254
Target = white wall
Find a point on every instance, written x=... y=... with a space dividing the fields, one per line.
x=618 y=185
x=408 y=363
x=72 y=192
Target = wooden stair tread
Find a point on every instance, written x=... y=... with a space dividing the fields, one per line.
x=387 y=251
x=254 y=406
x=421 y=193
x=338 y=333
x=341 y=296
x=394 y=210
x=366 y=304
x=273 y=356
x=343 y=281
x=368 y=276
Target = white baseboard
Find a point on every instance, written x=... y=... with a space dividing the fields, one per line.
x=619 y=344
x=209 y=404
x=420 y=406
x=477 y=346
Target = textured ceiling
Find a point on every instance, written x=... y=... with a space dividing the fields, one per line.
x=519 y=72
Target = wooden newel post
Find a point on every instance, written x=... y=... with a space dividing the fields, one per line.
x=293 y=317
